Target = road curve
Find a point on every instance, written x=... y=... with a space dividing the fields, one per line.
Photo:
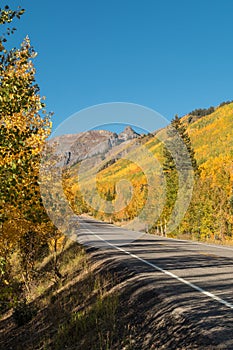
x=196 y=276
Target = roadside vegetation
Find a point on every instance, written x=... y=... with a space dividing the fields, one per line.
x=26 y=233
x=77 y=311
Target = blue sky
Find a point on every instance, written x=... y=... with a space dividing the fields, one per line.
x=169 y=55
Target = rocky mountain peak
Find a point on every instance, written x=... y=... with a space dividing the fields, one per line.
x=128 y=134
x=90 y=144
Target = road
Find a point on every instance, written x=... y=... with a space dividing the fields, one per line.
x=196 y=277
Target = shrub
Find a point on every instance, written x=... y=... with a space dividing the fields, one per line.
x=23 y=313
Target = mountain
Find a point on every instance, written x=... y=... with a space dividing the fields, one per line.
x=128 y=134
x=94 y=144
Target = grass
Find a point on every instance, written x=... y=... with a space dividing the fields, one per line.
x=92 y=328
x=79 y=311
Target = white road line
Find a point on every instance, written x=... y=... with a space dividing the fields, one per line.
x=199 y=289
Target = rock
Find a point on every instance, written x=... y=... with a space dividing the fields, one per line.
x=128 y=134
x=90 y=144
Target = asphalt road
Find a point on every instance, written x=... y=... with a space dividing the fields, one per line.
x=196 y=276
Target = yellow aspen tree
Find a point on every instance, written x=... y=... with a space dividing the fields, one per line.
x=23 y=130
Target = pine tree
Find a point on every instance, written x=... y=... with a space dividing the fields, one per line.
x=179 y=160
x=179 y=142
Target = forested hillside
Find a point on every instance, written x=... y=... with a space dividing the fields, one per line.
x=209 y=215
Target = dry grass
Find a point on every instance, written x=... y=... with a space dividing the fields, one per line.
x=77 y=311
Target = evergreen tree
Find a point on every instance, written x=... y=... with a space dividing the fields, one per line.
x=179 y=160
x=182 y=151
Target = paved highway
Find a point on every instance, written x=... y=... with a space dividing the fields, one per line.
x=198 y=277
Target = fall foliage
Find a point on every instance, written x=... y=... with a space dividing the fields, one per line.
x=208 y=141
x=26 y=233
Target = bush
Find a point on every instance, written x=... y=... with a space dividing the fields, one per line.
x=23 y=313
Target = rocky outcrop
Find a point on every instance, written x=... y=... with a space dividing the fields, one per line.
x=128 y=134
x=90 y=144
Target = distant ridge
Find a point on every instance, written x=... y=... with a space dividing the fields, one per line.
x=94 y=143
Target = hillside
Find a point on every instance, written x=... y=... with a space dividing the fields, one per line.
x=209 y=214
